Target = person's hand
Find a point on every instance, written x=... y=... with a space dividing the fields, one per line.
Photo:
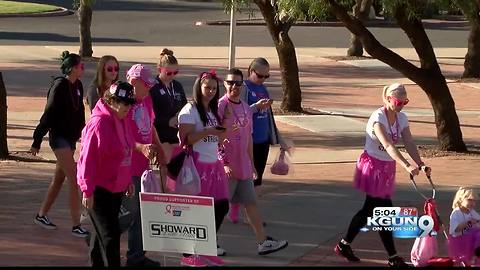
x=160 y=159
x=255 y=174
x=214 y=132
x=149 y=150
x=34 y=151
x=413 y=170
x=173 y=122
x=87 y=202
x=130 y=190
x=228 y=170
x=263 y=103
x=427 y=170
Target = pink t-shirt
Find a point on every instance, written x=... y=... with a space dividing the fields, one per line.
x=141 y=117
x=236 y=149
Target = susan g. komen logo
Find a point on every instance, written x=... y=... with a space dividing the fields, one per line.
x=169 y=210
x=403 y=222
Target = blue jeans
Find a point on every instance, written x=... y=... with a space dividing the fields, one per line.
x=58 y=142
x=135 y=251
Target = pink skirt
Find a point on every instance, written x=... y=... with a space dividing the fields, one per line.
x=213 y=177
x=462 y=248
x=375 y=177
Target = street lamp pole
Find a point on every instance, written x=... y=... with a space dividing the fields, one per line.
x=233 y=25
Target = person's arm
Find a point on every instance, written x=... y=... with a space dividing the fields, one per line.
x=92 y=96
x=161 y=114
x=190 y=136
x=159 y=152
x=89 y=161
x=391 y=149
x=47 y=117
x=410 y=146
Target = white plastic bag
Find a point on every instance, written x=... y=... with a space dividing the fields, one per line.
x=188 y=180
x=150 y=182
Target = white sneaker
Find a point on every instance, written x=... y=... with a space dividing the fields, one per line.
x=271 y=245
x=221 y=251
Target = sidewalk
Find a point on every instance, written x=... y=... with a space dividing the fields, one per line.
x=296 y=207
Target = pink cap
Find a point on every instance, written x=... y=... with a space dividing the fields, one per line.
x=142 y=72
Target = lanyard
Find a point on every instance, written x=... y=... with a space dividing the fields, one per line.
x=393 y=135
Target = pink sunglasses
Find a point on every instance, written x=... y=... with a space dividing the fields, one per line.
x=398 y=102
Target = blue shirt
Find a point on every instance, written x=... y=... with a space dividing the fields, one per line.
x=261 y=119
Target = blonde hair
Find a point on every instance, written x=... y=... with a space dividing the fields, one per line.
x=166 y=58
x=463 y=193
x=393 y=89
x=259 y=61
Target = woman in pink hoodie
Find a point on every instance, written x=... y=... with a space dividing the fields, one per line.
x=103 y=170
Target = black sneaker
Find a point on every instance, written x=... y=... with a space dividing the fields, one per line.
x=346 y=252
x=146 y=262
x=79 y=232
x=44 y=222
x=397 y=262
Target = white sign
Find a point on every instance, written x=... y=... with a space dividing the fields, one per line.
x=178 y=223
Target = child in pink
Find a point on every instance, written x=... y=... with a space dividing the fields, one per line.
x=103 y=171
x=464 y=229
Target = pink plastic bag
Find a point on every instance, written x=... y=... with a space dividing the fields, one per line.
x=423 y=250
x=281 y=166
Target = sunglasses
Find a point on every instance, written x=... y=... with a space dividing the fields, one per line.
x=398 y=102
x=236 y=83
x=261 y=76
x=111 y=69
x=170 y=72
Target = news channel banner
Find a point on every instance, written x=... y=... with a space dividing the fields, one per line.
x=403 y=222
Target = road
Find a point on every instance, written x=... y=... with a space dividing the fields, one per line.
x=172 y=23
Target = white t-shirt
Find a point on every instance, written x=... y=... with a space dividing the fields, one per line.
x=457 y=217
x=372 y=145
x=208 y=146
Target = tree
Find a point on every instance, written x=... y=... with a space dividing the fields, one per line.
x=471 y=10
x=361 y=10
x=3 y=120
x=84 y=13
x=278 y=25
x=428 y=76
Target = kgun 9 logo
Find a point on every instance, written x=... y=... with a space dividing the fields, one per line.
x=403 y=222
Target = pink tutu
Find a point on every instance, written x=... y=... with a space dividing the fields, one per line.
x=462 y=248
x=213 y=177
x=375 y=177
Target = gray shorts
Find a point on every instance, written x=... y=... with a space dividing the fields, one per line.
x=242 y=191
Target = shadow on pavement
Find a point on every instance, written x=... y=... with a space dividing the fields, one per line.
x=56 y=37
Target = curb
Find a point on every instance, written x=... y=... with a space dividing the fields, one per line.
x=59 y=12
x=372 y=23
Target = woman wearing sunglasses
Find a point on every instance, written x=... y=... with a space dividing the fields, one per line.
x=375 y=169
x=168 y=99
x=63 y=119
x=107 y=73
x=265 y=132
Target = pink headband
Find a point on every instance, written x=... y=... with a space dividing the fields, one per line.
x=209 y=74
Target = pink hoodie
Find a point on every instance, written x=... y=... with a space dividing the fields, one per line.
x=106 y=152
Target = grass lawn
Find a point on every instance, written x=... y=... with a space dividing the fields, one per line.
x=12 y=7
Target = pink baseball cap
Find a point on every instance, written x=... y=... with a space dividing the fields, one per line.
x=142 y=72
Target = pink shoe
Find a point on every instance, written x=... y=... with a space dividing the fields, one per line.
x=193 y=261
x=234 y=212
x=213 y=260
